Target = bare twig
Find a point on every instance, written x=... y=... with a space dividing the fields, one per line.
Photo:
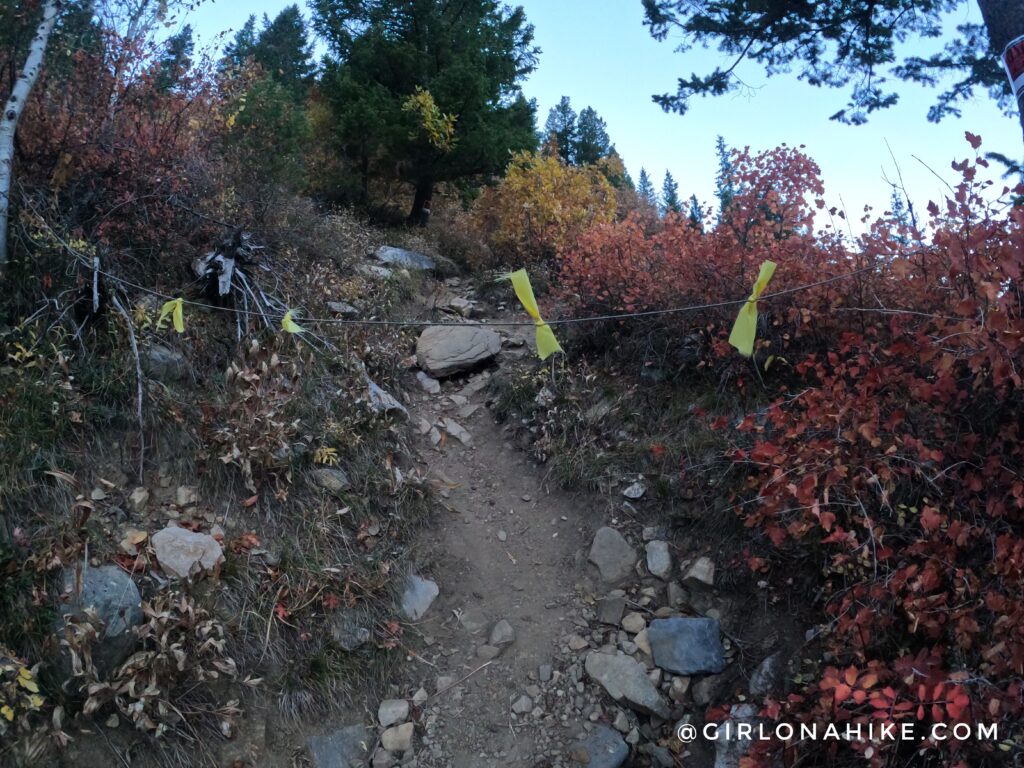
x=138 y=382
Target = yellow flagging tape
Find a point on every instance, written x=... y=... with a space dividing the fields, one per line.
x=174 y=309
x=290 y=325
x=744 y=330
x=547 y=344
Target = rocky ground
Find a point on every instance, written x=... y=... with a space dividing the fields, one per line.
x=546 y=629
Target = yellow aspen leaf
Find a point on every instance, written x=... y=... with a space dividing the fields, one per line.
x=7 y=712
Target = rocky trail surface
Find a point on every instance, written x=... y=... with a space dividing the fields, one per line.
x=546 y=631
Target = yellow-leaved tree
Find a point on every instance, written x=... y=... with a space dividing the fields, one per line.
x=540 y=207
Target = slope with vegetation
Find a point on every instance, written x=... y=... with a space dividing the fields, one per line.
x=862 y=467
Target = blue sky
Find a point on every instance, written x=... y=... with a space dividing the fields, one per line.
x=598 y=53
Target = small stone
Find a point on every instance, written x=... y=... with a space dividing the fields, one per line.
x=457 y=431
x=187 y=495
x=430 y=385
x=625 y=680
x=522 y=705
x=139 y=498
x=443 y=683
x=602 y=748
x=687 y=646
x=610 y=609
x=343 y=748
x=183 y=553
x=612 y=555
x=392 y=711
x=398 y=738
x=383 y=759
x=633 y=623
x=420 y=697
x=768 y=675
x=676 y=594
x=577 y=643
x=488 y=652
x=635 y=491
x=331 y=479
x=544 y=673
x=621 y=722
x=418 y=596
x=700 y=573
x=642 y=641
x=502 y=536
x=659 y=559
x=502 y=634
x=342 y=309
x=678 y=687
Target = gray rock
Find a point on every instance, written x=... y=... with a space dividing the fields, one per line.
x=113 y=596
x=418 y=596
x=710 y=689
x=342 y=309
x=400 y=257
x=659 y=559
x=430 y=386
x=398 y=738
x=610 y=609
x=331 y=479
x=636 y=490
x=382 y=401
x=445 y=350
x=375 y=271
x=768 y=675
x=183 y=553
x=687 y=646
x=633 y=622
x=457 y=431
x=626 y=680
x=602 y=748
x=676 y=594
x=700 y=573
x=349 y=633
x=488 y=652
x=522 y=705
x=502 y=634
x=165 y=364
x=392 y=711
x=729 y=748
x=544 y=673
x=343 y=748
x=612 y=555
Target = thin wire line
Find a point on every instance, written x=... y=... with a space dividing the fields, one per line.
x=500 y=323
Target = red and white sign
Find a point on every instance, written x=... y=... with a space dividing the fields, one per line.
x=1013 y=60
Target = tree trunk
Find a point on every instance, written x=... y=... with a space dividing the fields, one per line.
x=1004 y=20
x=12 y=113
x=420 y=212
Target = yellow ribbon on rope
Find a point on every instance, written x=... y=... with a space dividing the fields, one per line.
x=174 y=309
x=744 y=330
x=547 y=344
x=290 y=325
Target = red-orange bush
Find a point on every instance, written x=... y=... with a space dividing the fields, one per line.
x=892 y=450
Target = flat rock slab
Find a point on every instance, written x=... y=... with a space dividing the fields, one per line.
x=446 y=350
x=418 y=596
x=344 y=748
x=602 y=748
x=612 y=555
x=401 y=257
x=687 y=646
x=626 y=680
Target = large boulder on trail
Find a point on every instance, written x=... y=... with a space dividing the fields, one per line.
x=444 y=350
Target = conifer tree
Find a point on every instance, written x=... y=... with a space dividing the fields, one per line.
x=561 y=124
x=670 y=202
x=645 y=189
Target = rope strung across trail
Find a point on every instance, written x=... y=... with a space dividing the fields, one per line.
x=499 y=323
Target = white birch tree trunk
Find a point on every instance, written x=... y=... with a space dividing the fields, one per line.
x=12 y=113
